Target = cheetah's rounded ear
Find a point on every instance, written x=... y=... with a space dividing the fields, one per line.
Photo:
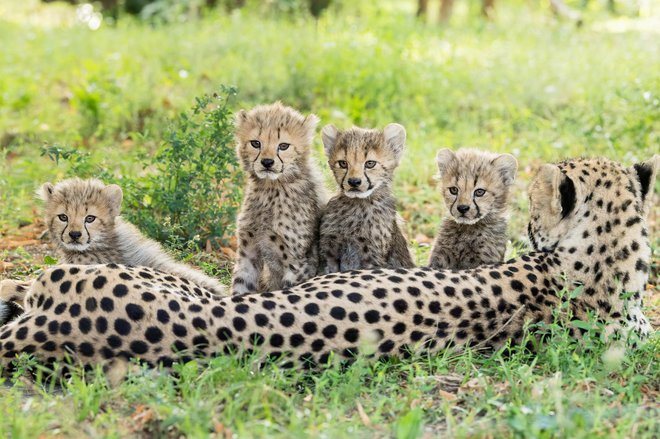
x=114 y=196
x=555 y=190
x=45 y=191
x=507 y=165
x=311 y=121
x=240 y=118
x=444 y=158
x=329 y=135
x=395 y=138
x=646 y=173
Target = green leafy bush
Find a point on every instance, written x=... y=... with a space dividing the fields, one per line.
x=189 y=192
x=194 y=192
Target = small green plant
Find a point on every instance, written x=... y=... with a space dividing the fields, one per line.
x=194 y=193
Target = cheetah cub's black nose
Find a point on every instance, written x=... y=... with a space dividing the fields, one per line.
x=354 y=182
x=75 y=235
x=463 y=208
x=267 y=163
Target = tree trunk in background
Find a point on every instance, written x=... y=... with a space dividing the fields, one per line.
x=488 y=8
x=446 y=8
x=422 y=6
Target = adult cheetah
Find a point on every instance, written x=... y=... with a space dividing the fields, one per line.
x=588 y=228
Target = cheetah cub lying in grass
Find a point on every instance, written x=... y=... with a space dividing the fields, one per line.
x=475 y=186
x=83 y=223
x=359 y=226
x=278 y=222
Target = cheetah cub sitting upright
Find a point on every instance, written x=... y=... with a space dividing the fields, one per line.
x=84 y=224
x=360 y=226
x=475 y=186
x=278 y=222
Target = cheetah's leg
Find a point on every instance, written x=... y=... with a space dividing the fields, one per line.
x=331 y=265
x=399 y=254
x=350 y=258
x=14 y=291
x=302 y=265
x=329 y=258
x=440 y=258
x=297 y=272
x=247 y=270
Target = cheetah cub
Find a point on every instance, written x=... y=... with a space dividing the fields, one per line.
x=475 y=186
x=83 y=223
x=278 y=222
x=360 y=226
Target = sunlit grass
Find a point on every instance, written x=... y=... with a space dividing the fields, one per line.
x=524 y=84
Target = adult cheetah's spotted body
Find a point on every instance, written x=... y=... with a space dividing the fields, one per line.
x=100 y=312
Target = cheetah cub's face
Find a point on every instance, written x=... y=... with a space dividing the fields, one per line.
x=80 y=213
x=274 y=141
x=474 y=183
x=362 y=159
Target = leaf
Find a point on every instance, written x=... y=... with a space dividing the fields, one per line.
x=583 y=325
x=363 y=416
x=49 y=260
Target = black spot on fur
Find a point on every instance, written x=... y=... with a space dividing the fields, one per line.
x=329 y=331
x=100 y=282
x=122 y=327
x=134 y=312
x=372 y=316
x=107 y=304
x=309 y=328
x=223 y=333
x=312 y=309
x=287 y=319
x=163 y=316
x=57 y=275
x=351 y=335
x=120 y=290
x=400 y=306
x=65 y=287
x=338 y=313
x=153 y=334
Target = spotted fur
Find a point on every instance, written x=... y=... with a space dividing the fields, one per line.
x=475 y=186
x=360 y=226
x=94 y=313
x=283 y=196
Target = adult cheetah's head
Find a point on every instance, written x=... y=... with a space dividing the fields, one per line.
x=362 y=159
x=80 y=213
x=475 y=183
x=586 y=198
x=274 y=141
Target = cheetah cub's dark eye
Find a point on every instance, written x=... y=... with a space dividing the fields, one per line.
x=283 y=146
x=342 y=164
x=90 y=218
x=255 y=143
x=479 y=193
x=370 y=164
x=63 y=218
x=453 y=190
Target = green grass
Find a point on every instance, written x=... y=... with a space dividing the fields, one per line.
x=524 y=84
x=565 y=390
